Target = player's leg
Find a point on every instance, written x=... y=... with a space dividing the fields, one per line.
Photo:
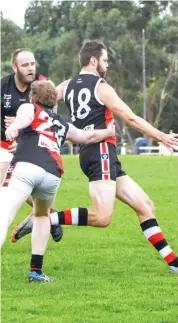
x=5 y=159
x=12 y=195
x=131 y=193
x=43 y=196
x=10 y=202
x=4 y=165
x=39 y=238
x=97 y=163
x=102 y=195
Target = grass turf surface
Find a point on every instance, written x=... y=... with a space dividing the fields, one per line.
x=110 y=275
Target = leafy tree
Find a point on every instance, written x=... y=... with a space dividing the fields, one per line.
x=38 y=16
x=44 y=48
x=55 y=32
x=12 y=38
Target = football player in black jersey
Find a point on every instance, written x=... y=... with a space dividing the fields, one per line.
x=15 y=89
x=91 y=102
x=38 y=173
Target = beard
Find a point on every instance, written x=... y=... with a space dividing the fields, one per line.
x=100 y=71
x=23 y=79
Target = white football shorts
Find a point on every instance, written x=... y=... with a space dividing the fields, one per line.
x=33 y=180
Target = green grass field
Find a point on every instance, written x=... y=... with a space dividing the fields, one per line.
x=102 y=275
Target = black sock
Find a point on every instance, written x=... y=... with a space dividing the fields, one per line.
x=174 y=263
x=36 y=263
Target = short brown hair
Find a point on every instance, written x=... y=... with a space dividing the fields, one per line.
x=90 y=48
x=16 y=53
x=44 y=92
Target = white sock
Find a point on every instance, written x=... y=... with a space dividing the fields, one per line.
x=54 y=218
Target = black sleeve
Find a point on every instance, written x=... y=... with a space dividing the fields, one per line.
x=60 y=128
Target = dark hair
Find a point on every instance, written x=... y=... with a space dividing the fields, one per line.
x=44 y=92
x=90 y=48
x=16 y=53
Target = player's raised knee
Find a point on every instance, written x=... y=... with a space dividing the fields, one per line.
x=104 y=221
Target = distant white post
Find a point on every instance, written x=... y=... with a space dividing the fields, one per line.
x=144 y=74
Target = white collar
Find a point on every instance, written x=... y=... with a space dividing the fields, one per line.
x=86 y=72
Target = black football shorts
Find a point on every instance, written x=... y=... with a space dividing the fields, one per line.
x=100 y=162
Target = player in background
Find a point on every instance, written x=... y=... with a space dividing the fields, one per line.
x=15 y=89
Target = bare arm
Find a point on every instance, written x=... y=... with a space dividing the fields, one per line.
x=24 y=117
x=60 y=92
x=79 y=136
x=110 y=98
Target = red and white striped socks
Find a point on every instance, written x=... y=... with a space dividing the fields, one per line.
x=155 y=236
x=75 y=216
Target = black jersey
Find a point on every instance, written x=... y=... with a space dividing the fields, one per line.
x=39 y=143
x=86 y=109
x=12 y=98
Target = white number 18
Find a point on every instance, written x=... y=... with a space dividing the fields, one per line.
x=83 y=109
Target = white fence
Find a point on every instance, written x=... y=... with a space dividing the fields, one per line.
x=160 y=150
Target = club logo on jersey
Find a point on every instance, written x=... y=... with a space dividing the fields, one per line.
x=7 y=101
x=105 y=156
x=7 y=96
x=79 y=81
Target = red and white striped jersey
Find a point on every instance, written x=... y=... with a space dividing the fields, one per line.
x=40 y=143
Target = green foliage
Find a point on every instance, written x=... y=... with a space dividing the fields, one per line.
x=37 y=16
x=12 y=37
x=65 y=65
x=44 y=48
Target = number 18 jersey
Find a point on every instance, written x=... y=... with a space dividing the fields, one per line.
x=86 y=109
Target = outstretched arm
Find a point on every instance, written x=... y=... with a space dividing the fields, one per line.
x=110 y=98
x=79 y=136
x=24 y=117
